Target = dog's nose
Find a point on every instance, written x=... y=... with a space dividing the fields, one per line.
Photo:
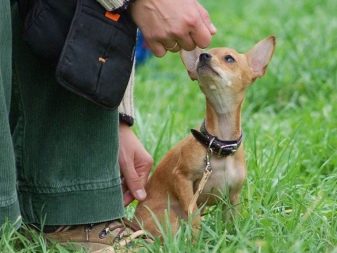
x=205 y=57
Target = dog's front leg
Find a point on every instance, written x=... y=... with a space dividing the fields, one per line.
x=233 y=210
x=183 y=187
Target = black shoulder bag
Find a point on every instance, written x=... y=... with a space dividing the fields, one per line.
x=93 y=50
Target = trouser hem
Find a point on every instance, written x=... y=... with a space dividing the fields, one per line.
x=10 y=213
x=72 y=208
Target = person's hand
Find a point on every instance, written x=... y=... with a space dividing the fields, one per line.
x=172 y=25
x=135 y=165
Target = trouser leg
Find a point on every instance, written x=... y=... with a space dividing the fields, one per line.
x=66 y=148
x=9 y=206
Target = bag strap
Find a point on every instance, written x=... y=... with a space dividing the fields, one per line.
x=24 y=7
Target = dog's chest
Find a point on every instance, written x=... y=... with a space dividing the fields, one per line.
x=227 y=173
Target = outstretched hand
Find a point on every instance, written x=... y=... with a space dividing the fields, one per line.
x=171 y=25
x=135 y=165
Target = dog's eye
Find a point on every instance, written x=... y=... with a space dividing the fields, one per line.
x=229 y=59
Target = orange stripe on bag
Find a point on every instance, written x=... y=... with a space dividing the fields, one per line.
x=112 y=16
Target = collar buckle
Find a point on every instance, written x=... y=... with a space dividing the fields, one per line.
x=232 y=148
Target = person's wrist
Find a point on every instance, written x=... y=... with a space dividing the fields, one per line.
x=126 y=119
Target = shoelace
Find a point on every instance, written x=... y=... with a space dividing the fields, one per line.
x=122 y=236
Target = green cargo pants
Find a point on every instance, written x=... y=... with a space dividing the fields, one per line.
x=9 y=205
x=66 y=149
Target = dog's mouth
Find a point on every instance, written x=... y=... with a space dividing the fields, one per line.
x=206 y=66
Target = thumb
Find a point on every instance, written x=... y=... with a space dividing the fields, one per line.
x=134 y=183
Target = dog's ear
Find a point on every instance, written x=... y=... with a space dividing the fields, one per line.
x=190 y=59
x=259 y=56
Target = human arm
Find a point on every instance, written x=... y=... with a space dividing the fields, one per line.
x=167 y=22
x=135 y=162
x=135 y=165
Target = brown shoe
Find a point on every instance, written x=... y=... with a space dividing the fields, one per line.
x=104 y=237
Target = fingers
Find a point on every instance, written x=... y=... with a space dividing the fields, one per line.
x=174 y=46
x=186 y=42
x=124 y=186
x=165 y=23
x=135 y=174
x=206 y=19
x=160 y=49
x=175 y=49
x=201 y=36
x=157 y=48
x=134 y=183
x=143 y=163
x=128 y=198
x=197 y=31
x=135 y=165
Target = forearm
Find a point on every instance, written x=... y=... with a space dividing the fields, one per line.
x=126 y=107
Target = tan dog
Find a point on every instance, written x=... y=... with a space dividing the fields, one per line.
x=223 y=76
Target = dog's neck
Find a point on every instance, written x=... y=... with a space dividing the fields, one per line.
x=224 y=125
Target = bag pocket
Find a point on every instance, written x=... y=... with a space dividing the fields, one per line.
x=97 y=57
x=46 y=25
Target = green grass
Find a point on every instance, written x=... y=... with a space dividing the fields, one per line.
x=289 y=202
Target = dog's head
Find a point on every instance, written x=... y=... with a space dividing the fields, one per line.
x=226 y=72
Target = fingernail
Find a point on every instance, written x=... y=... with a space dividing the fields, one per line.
x=140 y=194
x=213 y=29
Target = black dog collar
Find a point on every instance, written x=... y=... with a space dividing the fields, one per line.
x=219 y=147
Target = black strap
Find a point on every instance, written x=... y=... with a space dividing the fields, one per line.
x=220 y=147
x=24 y=7
x=127 y=119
